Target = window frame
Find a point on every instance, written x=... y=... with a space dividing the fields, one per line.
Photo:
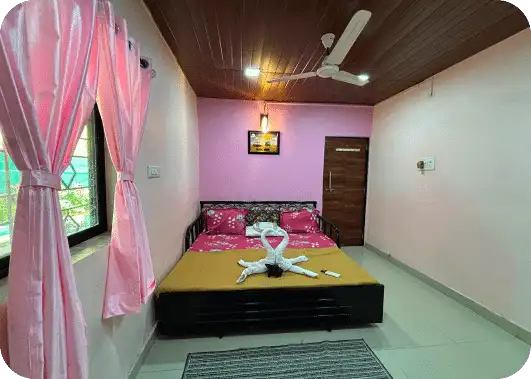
x=101 y=194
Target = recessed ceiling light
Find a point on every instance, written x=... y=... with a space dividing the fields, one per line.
x=364 y=77
x=252 y=72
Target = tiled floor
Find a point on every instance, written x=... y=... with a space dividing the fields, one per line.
x=425 y=335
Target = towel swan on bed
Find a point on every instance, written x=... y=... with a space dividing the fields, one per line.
x=274 y=256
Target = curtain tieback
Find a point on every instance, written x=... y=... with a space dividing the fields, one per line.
x=37 y=178
x=125 y=177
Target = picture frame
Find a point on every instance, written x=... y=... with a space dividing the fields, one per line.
x=261 y=143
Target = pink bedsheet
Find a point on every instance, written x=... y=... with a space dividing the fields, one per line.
x=220 y=242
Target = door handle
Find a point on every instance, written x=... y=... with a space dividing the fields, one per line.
x=330 y=189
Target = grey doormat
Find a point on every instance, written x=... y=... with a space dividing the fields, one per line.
x=338 y=359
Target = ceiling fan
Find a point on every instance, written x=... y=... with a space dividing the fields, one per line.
x=330 y=67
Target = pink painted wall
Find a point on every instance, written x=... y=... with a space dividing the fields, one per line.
x=227 y=172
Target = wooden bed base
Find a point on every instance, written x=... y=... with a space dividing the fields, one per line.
x=220 y=313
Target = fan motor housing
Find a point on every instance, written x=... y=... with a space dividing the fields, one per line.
x=327 y=71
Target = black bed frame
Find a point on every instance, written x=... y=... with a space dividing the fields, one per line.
x=198 y=226
x=220 y=313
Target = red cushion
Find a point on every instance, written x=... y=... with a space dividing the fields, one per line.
x=302 y=221
x=226 y=221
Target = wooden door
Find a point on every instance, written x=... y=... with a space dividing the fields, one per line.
x=345 y=186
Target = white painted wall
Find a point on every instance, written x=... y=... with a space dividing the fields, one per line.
x=170 y=203
x=467 y=224
x=171 y=140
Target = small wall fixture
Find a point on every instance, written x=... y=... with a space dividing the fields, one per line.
x=426 y=164
x=264 y=122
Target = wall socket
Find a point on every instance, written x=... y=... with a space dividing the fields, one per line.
x=426 y=164
x=153 y=172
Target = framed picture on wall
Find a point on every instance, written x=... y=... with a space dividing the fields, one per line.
x=263 y=143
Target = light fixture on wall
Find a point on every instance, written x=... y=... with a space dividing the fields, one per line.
x=264 y=120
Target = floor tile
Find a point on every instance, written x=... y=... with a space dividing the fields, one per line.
x=482 y=360
x=173 y=374
x=408 y=297
x=171 y=354
x=391 y=334
x=262 y=340
x=392 y=362
x=425 y=335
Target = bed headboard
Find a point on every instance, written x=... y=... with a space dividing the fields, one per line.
x=266 y=211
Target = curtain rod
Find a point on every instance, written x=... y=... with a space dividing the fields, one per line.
x=144 y=63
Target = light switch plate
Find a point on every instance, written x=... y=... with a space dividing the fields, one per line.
x=153 y=172
x=429 y=164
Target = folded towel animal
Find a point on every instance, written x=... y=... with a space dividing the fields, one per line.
x=257 y=229
x=274 y=257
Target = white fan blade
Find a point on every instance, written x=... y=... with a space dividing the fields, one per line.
x=293 y=77
x=347 y=77
x=350 y=35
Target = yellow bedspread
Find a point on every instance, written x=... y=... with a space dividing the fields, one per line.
x=218 y=271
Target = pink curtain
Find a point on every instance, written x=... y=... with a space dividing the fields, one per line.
x=46 y=50
x=123 y=96
x=3 y=332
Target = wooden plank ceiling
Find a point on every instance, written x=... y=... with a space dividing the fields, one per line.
x=405 y=42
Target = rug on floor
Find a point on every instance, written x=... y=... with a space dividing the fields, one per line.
x=351 y=359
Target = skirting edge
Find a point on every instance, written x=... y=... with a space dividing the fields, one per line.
x=500 y=321
x=133 y=374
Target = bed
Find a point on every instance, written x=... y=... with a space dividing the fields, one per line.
x=200 y=295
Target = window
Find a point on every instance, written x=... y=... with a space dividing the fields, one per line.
x=82 y=195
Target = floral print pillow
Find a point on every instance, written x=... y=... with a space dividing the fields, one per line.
x=301 y=221
x=226 y=221
x=261 y=212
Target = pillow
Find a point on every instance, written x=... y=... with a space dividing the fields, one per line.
x=256 y=230
x=302 y=221
x=226 y=221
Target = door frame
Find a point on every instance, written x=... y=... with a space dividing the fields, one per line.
x=368 y=142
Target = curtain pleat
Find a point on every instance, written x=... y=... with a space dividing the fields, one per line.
x=123 y=97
